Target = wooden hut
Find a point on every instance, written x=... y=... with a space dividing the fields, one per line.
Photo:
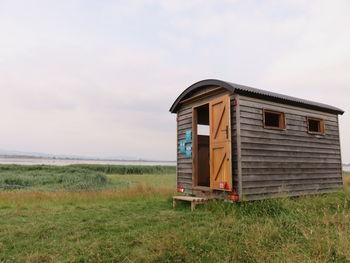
x=241 y=143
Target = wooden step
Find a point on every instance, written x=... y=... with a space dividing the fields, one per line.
x=193 y=199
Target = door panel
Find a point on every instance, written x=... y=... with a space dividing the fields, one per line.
x=220 y=144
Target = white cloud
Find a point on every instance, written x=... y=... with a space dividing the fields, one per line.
x=98 y=78
x=317 y=67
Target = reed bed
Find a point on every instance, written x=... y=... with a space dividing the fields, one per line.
x=71 y=177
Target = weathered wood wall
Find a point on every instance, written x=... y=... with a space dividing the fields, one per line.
x=292 y=161
x=235 y=182
x=184 y=165
x=184 y=115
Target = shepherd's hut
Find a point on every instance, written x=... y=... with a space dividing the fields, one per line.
x=240 y=143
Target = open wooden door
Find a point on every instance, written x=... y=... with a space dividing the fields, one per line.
x=220 y=144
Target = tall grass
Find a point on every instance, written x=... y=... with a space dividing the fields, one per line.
x=128 y=169
x=108 y=169
x=140 y=225
x=136 y=191
x=347 y=180
x=46 y=178
x=78 y=176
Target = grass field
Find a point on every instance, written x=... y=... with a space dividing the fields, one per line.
x=136 y=223
x=72 y=177
x=346 y=178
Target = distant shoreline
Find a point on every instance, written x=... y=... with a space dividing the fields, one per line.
x=72 y=158
x=346 y=168
x=33 y=160
x=60 y=161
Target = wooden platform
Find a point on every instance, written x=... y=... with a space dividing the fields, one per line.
x=194 y=200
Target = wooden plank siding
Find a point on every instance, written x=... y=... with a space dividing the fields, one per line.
x=271 y=162
x=184 y=165
x=235 y=178
x=287 y=162
x=184 y=117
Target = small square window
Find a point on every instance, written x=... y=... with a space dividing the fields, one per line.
x=274 y=120
x=315 y=126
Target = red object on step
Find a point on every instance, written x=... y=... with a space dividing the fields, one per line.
x=180 y=189
x=232 y=197
x=227 y=187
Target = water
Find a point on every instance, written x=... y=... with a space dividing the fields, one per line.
x=346 y=168
x=60 y=162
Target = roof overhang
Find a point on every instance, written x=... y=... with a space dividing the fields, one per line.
x=253 y=92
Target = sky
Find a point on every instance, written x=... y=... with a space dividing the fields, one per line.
x=97 y=78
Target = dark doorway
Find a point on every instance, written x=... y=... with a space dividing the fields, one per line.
x=202 y=129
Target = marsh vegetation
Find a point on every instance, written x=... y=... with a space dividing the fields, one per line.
x=136 y=223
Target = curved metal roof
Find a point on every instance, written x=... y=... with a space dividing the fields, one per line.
x=256 y=93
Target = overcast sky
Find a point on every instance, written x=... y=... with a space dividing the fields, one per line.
x=97 y=78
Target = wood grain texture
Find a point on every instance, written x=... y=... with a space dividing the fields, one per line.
x=184 y=165
x=271 y=163
x=220 y=143
x=291 y=161
x=237 y=155
x=185 y=120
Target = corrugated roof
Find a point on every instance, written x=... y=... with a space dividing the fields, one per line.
x=253 y=92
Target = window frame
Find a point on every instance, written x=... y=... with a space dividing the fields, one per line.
x=322 y=126
x=282 y=124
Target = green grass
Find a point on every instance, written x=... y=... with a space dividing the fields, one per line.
x=138 y=224
x=75 y=179
x=108 y=169
x=128 y=169
x=154 y=180
x=71 y=176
